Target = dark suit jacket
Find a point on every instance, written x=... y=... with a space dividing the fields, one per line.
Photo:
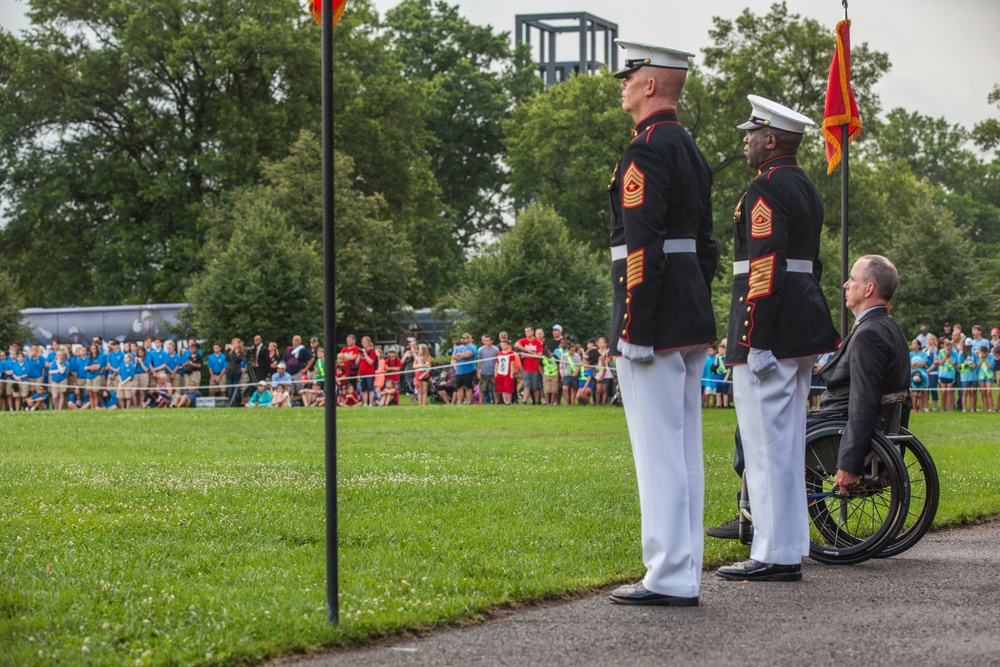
x=261 y=362
x=873 y=361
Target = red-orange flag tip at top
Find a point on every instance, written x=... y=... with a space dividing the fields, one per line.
x=316 y=9
x=841 y=109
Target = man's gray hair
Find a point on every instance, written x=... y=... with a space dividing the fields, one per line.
x=880 y=272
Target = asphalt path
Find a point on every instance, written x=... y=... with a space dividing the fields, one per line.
x=937 y=604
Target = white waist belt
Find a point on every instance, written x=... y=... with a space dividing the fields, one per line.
x=794 y=266
x=670 y=247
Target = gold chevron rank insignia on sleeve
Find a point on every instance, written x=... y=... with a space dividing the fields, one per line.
x=633 y=187
x=761 y=276
x=761 y=219
x=635 y=267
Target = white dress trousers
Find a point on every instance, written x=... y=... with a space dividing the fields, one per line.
x=771 y=413
x=662 y=402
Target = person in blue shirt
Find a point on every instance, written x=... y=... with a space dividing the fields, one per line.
x=172 y=361
x=126 y=381
x=142 y=375
x=34 y=366
x=39 y=400
x=113 y=363
x=947 y=375
x=77 y=400
x=919 y=380
x=216 y=371
x=186 y=399
x=985 y=375
x=108 y=400
x=93 y=365
x=59 y=369
x=708 y=387
x=282 y=376
x=155 y=356
x=261 y=397
x=463 y=356
x=969 y=376
x=19 y=376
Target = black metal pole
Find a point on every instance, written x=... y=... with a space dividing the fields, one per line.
x=330 y=321
x=844 y=270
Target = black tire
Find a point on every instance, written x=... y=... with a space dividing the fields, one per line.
x=925 y=491
x=845 y=531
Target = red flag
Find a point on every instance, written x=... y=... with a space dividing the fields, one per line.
x=841 y=109
x=316 y=9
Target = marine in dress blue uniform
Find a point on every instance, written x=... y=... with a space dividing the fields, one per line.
x=663 y=261
x=779 y=323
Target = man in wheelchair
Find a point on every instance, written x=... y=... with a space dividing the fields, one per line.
x=871 y=363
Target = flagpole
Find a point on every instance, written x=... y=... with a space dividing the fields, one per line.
x=845 y=134
x=329 y=321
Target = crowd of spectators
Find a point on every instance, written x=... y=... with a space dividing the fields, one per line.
x=531 y=370
x=156 y=373
x=950 y=371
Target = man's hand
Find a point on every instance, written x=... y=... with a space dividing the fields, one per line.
x=845 y=480
x=761 y=362
x=640 y=354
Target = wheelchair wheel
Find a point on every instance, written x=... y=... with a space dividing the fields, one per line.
x=845 y=531
x=924 y=494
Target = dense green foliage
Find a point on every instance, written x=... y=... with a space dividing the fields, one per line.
x=120 y=121
x=535 y=274
x=196 y=537
x=264 y=277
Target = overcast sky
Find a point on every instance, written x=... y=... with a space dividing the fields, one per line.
x=945 y=55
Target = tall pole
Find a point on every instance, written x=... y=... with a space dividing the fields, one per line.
x=845 y=133
x=329 y=321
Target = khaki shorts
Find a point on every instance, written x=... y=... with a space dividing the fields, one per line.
x=125 y=389
x=550 y=384
x=141 y=381
x=4 y=387
x=33 y=386
x=95 y=384
x=22 y=390
x=58 y=387
x=216 y=380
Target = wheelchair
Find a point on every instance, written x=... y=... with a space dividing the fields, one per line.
x=888 y=511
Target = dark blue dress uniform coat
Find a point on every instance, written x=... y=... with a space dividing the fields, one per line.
x=661 y=191
x=779 y=218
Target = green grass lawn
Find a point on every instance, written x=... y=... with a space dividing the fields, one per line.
x=197 y=537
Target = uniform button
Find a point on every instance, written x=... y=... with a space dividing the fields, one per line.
x=621 y=279
x=744 y=338
x=747 y=323
x=748 y=309
x=741 y=299
x=623 y=332
x=625 y=316
x=628 y=300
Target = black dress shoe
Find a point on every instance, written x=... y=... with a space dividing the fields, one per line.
x=728 y=530
x=637 y=594
x=753 y=570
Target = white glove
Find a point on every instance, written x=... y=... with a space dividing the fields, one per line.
x=640 y=354
x=761 y=362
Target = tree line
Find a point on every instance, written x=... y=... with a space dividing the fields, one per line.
x=168 y=151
